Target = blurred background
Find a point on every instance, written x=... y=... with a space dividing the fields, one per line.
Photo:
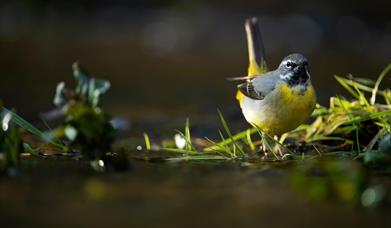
x=169 y=59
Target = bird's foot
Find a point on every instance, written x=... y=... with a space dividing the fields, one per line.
x=280 y=150
x=263 y=150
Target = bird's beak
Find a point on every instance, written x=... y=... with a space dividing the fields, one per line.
x=302 y=71
x=300 y=68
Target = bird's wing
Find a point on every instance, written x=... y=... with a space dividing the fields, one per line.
x=259 y=87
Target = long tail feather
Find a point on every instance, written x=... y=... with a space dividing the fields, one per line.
x=256 y=50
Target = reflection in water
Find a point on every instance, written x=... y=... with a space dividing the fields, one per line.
x=179 y=194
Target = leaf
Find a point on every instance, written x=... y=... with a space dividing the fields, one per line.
x=96 y=89
x=81 y=78
x=59 y=97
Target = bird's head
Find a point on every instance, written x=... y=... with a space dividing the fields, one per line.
x=294 y=69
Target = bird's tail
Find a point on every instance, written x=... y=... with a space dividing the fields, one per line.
x=256 y=50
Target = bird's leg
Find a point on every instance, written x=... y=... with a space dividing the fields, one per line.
x=278 y=147
x=273 y=145
x=264 y=147
x=267 y=145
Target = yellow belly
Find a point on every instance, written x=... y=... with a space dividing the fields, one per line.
x=281 y=111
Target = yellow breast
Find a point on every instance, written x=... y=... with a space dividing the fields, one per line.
x=281 y=111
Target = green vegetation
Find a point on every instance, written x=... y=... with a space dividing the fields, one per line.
x=10 y=144
x=84 y=127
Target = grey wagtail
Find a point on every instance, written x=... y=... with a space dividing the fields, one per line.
x=277 y=101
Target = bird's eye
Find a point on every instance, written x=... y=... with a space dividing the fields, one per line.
x=288 y=64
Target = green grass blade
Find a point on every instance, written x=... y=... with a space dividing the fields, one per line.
x=33 y=130
x=228 y=131
x=187 y=136
x=189 y=145
x=147 y=141
x=361 y=95
x=345 y=84
x=357 y=119
x=236 y=137
x=327 y=138
x=378 y=81
x=221 y=151
x=26 y=125
x=182 y=151
x=199 y=157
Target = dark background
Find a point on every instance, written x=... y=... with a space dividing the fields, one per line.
x=169 y=59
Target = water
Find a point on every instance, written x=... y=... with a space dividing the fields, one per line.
x=63 y=193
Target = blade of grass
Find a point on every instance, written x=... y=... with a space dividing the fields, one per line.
x=227 y=130
x=369 y=116
x=361 y=95
x=236 y=137
x=33 y=130
x=356 y=125
x=189 y=145
x=328 y=138
x=378 y=81
x=344 y=84
x=182 y=151
x=147 y=142
x=199 y=157
x=226 y=148
x=222 y=150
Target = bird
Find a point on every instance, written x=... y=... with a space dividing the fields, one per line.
x=276 y=101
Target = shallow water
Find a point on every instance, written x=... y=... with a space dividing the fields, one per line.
x=61 y=192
